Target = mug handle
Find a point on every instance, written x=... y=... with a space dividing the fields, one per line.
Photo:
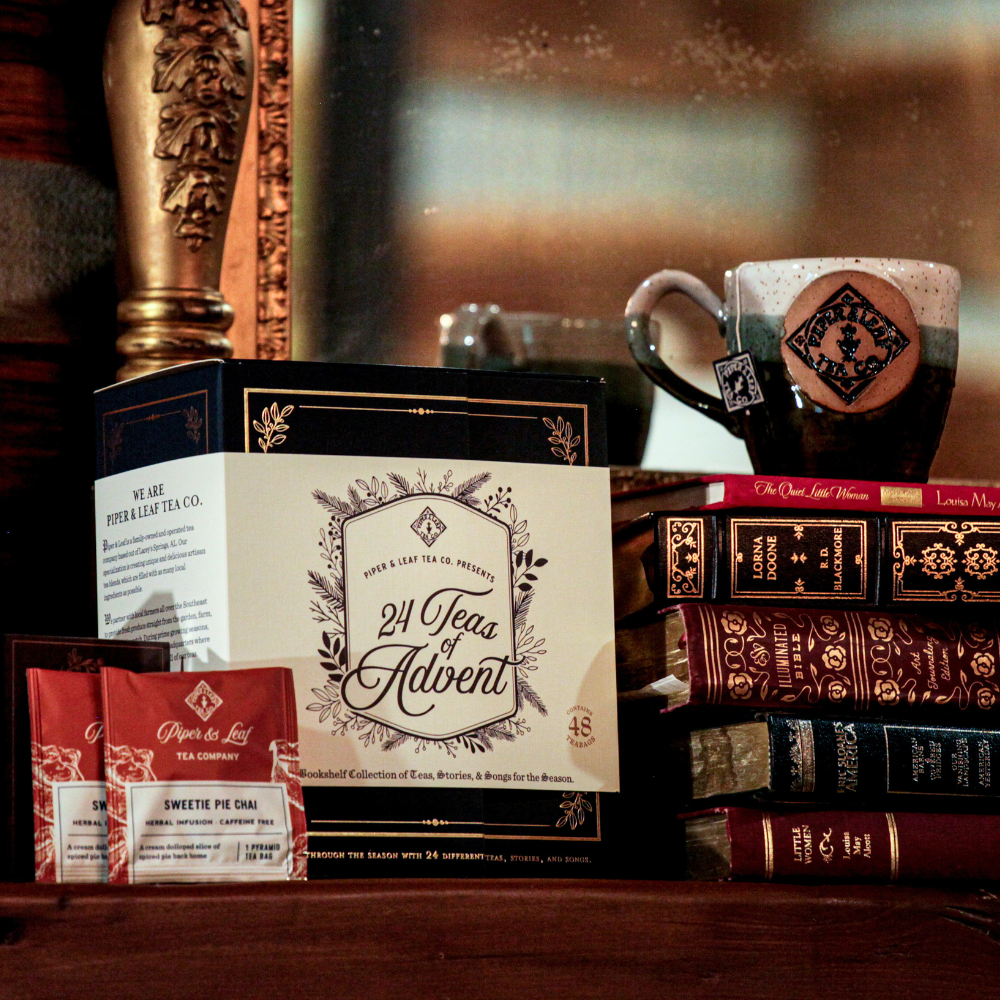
x=637 y=325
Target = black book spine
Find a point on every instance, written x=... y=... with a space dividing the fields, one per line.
x=825 y=557
x=853 y=761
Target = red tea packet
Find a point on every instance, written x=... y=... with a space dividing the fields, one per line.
x=67 y=768
x=203 y=776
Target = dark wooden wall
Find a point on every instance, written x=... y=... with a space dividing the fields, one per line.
x=57 y=304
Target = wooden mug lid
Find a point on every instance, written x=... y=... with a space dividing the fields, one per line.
x=851 y=341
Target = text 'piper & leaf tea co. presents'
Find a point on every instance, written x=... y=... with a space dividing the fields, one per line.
x=428 y=550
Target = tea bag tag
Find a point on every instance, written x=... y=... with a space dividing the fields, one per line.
x=738 y=381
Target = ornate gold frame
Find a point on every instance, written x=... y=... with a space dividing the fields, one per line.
x=256 y=262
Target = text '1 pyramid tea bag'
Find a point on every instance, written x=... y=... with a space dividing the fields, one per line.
x=203 y=777
x=71 y=829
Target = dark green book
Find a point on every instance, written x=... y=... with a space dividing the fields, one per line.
x=782 y=758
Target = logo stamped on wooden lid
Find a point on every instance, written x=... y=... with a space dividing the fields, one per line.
x=851 y=341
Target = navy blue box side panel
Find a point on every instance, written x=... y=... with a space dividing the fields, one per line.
x=397 y=411
x=460 y=832
x=556 y=421
x=341 y=409
x=176 y=414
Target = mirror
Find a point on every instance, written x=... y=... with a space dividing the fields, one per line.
x=546 y=155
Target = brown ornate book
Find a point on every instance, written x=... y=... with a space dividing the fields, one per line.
x=814 y=661
x=734 y=842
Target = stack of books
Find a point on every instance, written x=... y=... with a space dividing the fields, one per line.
x=829 y=665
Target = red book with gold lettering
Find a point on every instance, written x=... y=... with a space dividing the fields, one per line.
x=202 y=776
x=728 y=491
x=814 y=660
x=734 y=842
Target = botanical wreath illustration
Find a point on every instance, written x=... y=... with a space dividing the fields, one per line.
x=328 y=608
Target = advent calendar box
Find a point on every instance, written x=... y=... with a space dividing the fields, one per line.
x=428 y=550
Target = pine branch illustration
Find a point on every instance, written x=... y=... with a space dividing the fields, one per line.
x=522 y=604
x=480 y=735
x=463 y=490
x=326 y=590
x=398 y=740
x=333 y=504
x=498 y=732
x=401 y=484
x=355 y=499
x=319 y=612
x=531 y=697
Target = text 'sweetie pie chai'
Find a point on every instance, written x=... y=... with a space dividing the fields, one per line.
x=203 y=776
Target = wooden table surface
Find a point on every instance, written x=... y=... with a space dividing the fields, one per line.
x=481 y=939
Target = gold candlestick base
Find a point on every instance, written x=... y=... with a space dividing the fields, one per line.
x=177 y=78
x=168 y=326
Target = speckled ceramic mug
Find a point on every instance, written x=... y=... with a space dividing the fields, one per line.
x=853 y=358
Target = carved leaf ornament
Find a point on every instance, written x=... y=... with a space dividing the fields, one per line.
x=200 y=58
